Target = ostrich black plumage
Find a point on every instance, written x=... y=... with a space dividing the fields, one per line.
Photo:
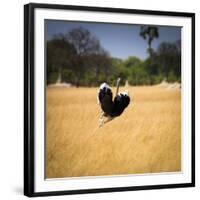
x=111 y=108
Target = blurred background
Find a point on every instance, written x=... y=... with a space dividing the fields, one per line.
x=87 y=53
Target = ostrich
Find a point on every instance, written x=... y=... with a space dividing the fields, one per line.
x=110 y=108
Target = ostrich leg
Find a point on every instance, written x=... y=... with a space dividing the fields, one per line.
x=101 y=119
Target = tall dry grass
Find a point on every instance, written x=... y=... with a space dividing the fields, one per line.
x=146 y=138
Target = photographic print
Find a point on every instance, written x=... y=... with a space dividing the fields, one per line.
x=113 y=99
x=108 y=99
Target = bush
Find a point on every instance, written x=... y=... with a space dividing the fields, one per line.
x=68 y=76
x=171 y=77
x=52 y=77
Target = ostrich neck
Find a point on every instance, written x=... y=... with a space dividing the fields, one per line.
x=117 y=89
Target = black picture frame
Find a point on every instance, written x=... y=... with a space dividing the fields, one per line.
x=29 y=85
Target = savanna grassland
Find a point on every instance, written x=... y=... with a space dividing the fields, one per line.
x=146 y=138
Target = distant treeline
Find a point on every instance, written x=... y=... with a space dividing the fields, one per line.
x=77 y=57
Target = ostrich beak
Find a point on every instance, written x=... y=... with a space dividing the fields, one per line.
x=118 y=80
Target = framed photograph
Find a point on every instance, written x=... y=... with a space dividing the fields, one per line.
x=109 y=99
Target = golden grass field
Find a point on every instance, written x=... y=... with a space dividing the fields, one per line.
x=146 y=138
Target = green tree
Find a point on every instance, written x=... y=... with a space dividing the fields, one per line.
x=85 y=44
x=132 y=61
x=149 y=33
x=99 y=65
x=59 y=56
x=169 y=57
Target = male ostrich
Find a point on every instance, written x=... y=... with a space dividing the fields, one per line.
x=110 y=108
